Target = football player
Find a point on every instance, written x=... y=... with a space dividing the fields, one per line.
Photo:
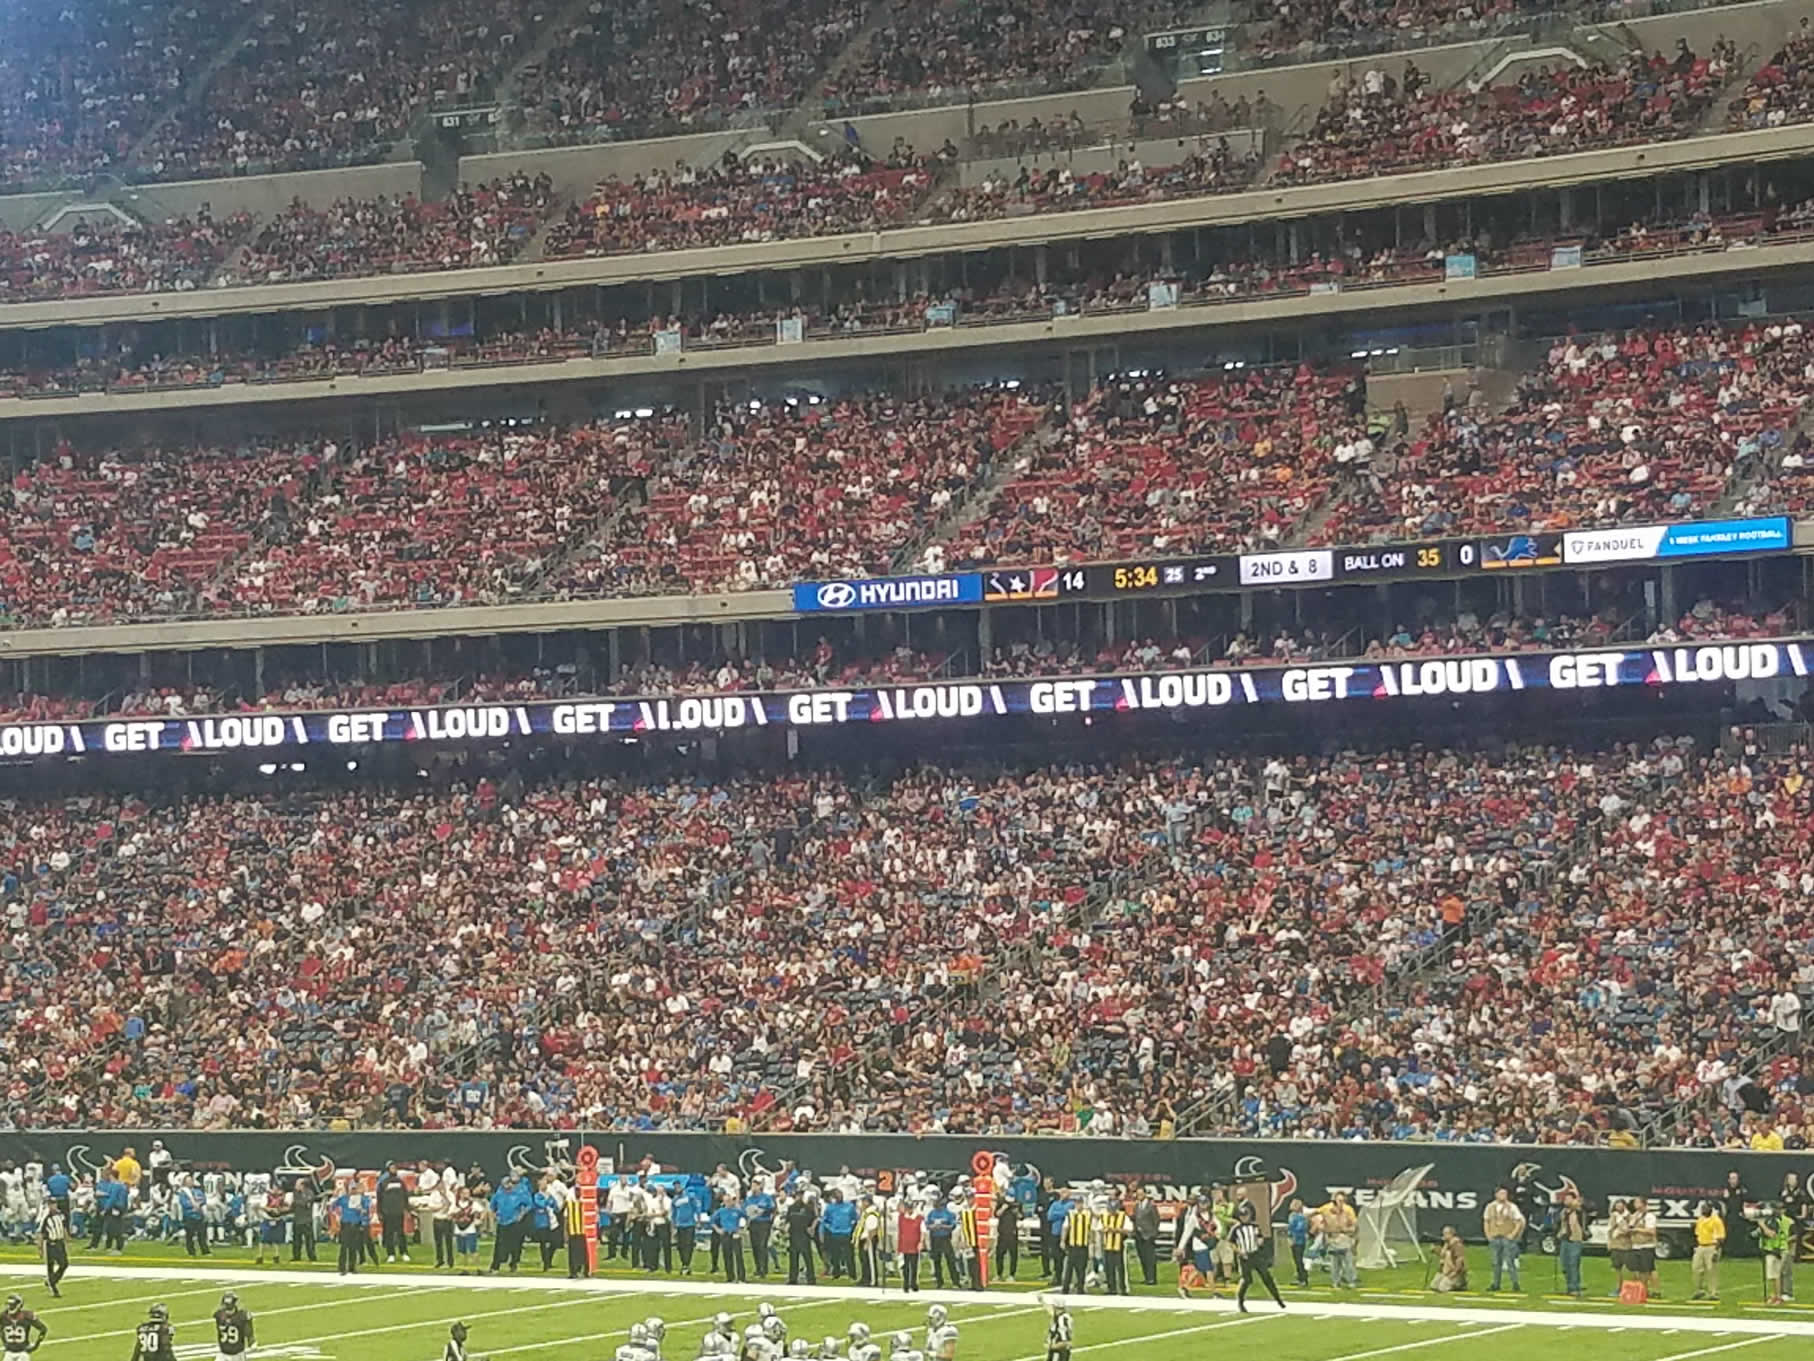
x=153 y=1340
x=720 y=1339
x=901 y=1348
x=20 y=1330
x=636 y=1347
x=861 y=1348
x=654 y=1333
x=232 y=1329
x=941 y=1334
x=774 y=1328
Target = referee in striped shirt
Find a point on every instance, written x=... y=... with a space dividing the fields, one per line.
x=1058 y=1335
x=53 y=1243
x=1253 y=1248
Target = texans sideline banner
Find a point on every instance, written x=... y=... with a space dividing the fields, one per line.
x=1220 y=688
x=1460 y=1182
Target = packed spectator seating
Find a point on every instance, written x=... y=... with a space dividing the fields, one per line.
x=1782 y=89
x=1589 y=1008
x=102 y=255
x=801 y=490
x=1229 y=922
x=1148 y=464
x=683 y=884
x=439 y=519
x=649 y=70
x=1647 y=425
x=1213 y=167
x=1304 y=29
x=1381 y=125
x=318 y=84
x=79 y=90
x=836 y=661
x=1083 y=289
x=485 y=224
x=938 y=53
x=736 y=202
x=123 y=533
x=308 y=525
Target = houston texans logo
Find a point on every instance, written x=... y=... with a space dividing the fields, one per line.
x=752 y=1162
x=80 y=1161
x=295 y=1163
x=1249 y=1168
x=1529 y=1171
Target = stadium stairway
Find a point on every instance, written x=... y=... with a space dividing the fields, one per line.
x=977 y=504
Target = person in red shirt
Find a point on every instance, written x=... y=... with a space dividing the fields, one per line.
x=909 y=1229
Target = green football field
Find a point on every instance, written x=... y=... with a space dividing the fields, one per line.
x=402 y=1314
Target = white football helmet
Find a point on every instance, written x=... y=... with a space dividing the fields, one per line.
x=936 y=1316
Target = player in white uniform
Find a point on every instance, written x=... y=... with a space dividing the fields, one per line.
x=12 y=1204
x=637 y=1348
x=901 y=1348
x=941 y=1335
x=720 y=1339
x=757 y=1347
x=34 y=1190
x=774 y=1327
x=861 y=1348
x=655 y=1332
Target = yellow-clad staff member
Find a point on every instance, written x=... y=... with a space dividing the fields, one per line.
x=1709 y=1240
x=579 y=1261
x=1116 y=1224
x=1078 y=1226
x=970 y=1243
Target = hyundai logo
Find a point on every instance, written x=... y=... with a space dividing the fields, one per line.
x=837 y=595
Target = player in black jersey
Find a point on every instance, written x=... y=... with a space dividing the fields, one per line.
x=232 y=1328
x=20 y=1330
x=154 y=1340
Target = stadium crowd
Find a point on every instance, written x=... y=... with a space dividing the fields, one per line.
x=793 y=491
x=132 y=361
x=643 y=70
x=306 y=525
x=1645 y=979
x=316 y=85
x=1646 y=425
x=1782 y=89
x=485 y=224
x=1153 y=465
x=1649 y=424
x=316 y=1001
x=1379 y=125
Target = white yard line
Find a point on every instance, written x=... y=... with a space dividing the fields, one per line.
x=1429 y=1342
x=128 y=1299
x=1154 y=1337
x=257 y=1314
x=564 y=1290
x=1726 y=1347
